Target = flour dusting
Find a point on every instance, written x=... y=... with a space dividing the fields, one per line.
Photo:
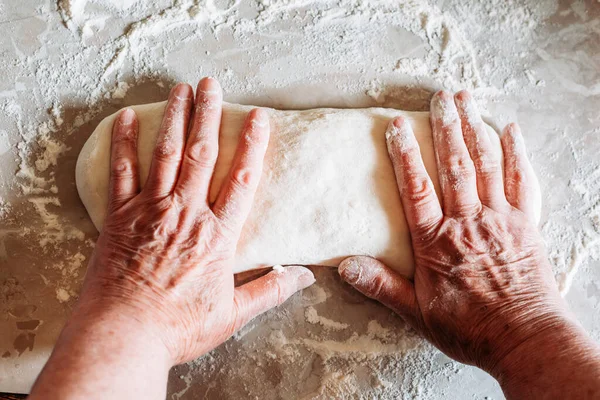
x=69 y=63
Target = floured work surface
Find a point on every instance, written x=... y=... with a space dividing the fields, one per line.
x=66 y=65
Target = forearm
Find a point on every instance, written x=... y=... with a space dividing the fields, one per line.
x=559 y=364
x=104 y=357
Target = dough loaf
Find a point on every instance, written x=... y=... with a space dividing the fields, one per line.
x=327 y=191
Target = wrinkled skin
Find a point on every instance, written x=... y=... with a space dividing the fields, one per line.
x=160 y=290
x=164 y=257
x=483 y=284
x=165 y=253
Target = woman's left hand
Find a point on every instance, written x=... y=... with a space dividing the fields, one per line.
x=159 y=288
x=164 y=257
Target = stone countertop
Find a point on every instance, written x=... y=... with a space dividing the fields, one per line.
x=66 y=65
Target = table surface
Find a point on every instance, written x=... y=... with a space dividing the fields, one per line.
x=67 y=66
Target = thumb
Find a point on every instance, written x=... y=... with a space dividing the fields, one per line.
x=269 y=291
x=377 y=281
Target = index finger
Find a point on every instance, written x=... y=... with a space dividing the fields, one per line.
x=235 y=198
x=421 y=206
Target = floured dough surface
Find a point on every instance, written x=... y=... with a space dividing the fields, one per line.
x=327 y=191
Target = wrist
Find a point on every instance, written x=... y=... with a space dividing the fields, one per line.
x=529 y=334
x=115 y=327
x=102 y=353
x=556 y=345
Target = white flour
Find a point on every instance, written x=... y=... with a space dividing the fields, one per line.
x=80 y=59
x=313 y=317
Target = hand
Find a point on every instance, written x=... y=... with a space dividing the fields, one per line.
x=159 y=288
x=164 y=257
x=483 y=284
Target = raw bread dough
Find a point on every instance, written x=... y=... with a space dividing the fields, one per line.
x=328 y=189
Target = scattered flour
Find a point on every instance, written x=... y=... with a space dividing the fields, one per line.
x=278 y=268
x=107 y=49
x=62 y=295
x=314 y=318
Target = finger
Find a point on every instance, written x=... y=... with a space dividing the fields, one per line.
x=520 y=182
x=169 y=144
x=486 y=160
x=376 y=281
x=455 y=167
x=421 y=206
x=235 y=197
x=267 y=292
x=202 y=146
x=124 y=178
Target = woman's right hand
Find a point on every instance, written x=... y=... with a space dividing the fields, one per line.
x=483 y=287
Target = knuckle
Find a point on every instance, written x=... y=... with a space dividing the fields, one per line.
x=416 y=188
x=202 y=153
x=242 y=178
x=459 y=162
x=166 y=152
x=123 y=167
x=457 y=169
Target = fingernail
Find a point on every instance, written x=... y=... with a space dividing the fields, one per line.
x=305 y=278
x=438 y=104
x=127 y=116
x=400 y=132
x=209 y=85
x=181 y=91
x=463 y=97
x=514 y=132
x=443 y=108
x=350 y=270
x=393 y=129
